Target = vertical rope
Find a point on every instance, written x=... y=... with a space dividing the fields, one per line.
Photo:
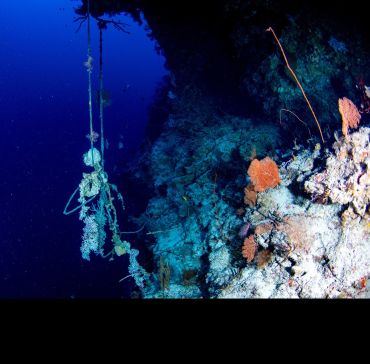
x=101 y=97
x=89 y=60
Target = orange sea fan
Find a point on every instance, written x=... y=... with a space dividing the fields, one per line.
x=350 y=115
x=250 y=196
x=249 y=248
x=264 y=174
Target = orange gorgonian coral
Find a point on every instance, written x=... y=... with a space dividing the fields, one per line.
x=350 y=115
x=264 y=174
x=249 y=248
x=250 y=196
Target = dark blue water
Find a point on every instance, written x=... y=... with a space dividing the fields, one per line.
x=43 y=127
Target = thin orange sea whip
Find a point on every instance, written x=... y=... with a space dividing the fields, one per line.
x=269 y=29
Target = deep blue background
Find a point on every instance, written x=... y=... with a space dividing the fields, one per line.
x=43 y=123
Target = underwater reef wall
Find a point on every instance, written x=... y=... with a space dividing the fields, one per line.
x=213 y=230
x=310 y=234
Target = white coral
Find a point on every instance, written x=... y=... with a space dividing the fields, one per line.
x=346 y=178
x=90 y=237
x=92 y=158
